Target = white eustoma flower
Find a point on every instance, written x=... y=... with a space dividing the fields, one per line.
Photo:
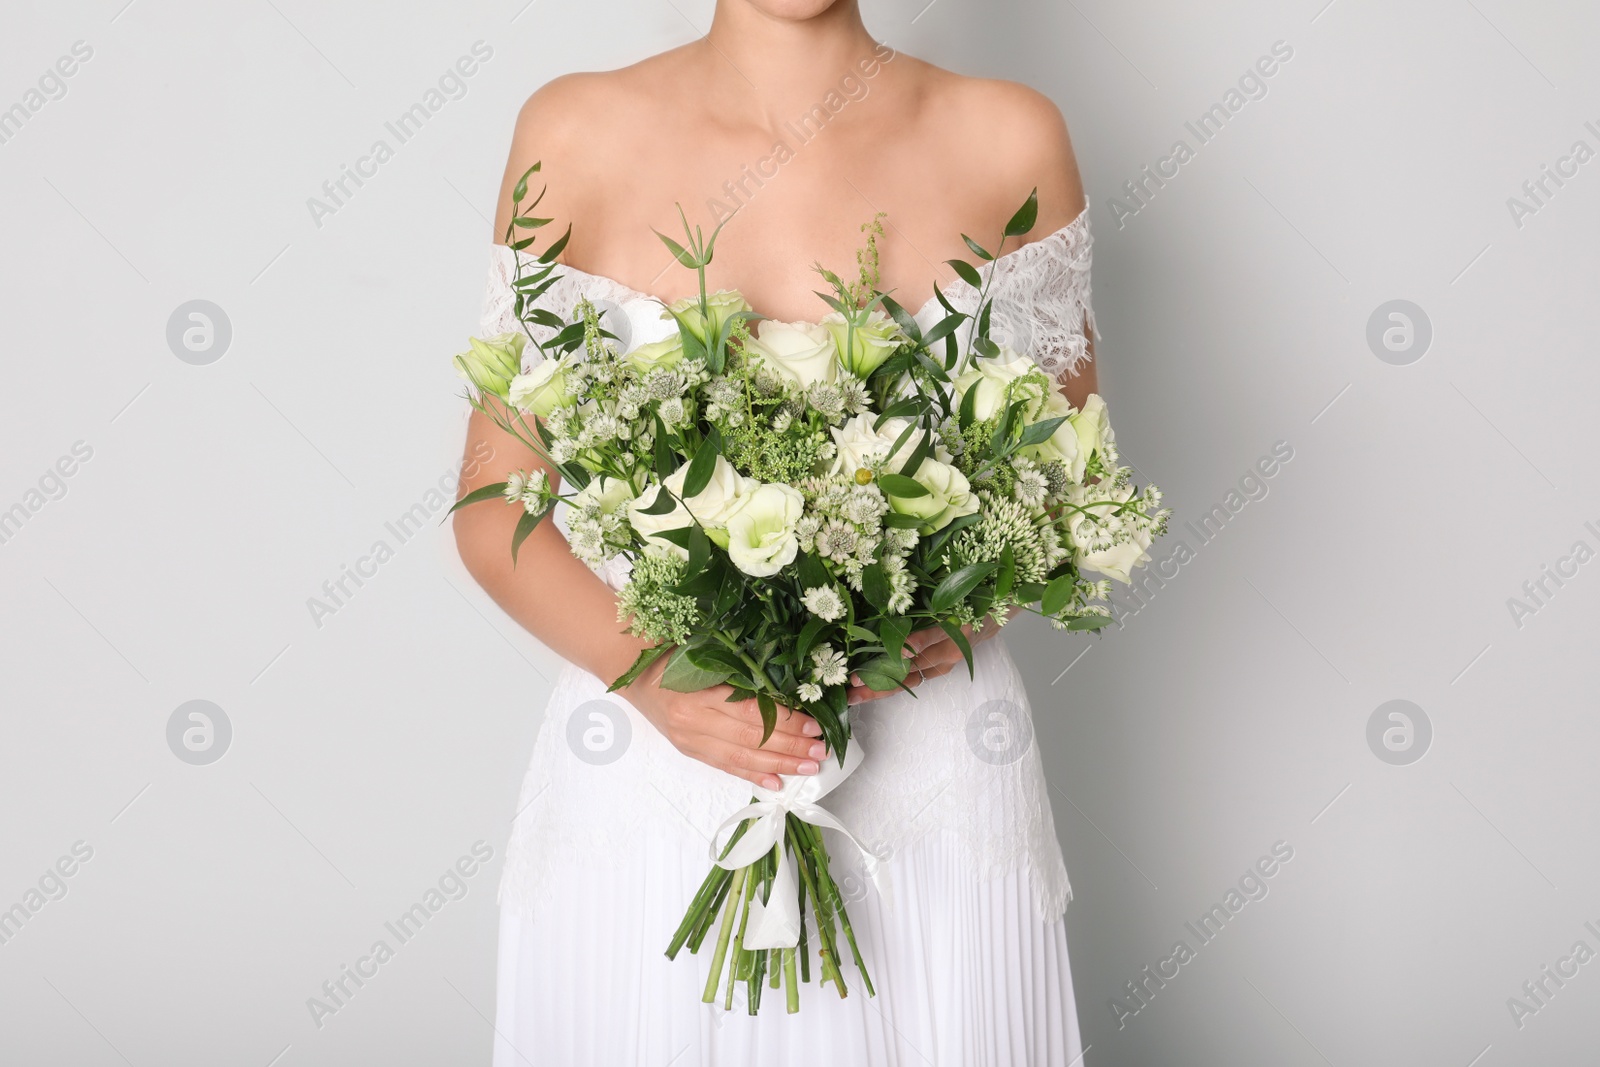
x=722 y=305
x=761 y=537
x=711 y=507
x=799 y=352
x=863 y=348
x=541 y=390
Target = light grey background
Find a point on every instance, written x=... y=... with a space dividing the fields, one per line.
x=369 y=753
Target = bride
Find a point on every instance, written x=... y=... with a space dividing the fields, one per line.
x=789 y=115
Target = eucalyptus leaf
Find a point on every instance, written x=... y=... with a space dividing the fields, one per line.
x=957 y=585
x=1025 y=217
x=488 y=492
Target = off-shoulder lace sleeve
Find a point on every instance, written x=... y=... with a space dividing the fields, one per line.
x=1042 y=305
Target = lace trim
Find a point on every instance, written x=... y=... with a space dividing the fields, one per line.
x=1042 y=299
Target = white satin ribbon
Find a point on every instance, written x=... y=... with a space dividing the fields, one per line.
x=776 y=924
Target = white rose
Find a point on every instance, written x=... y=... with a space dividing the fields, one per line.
x=861 y=447
x=864 y=348
x=1093 y=426
x=1118 y=560
x=667 y=352
x=801 y=352
x=948 y=496
x=1062 y=445
x=541 y=390
x=993 y=379
x=711 y=507
x=761 y=537
x=606 y=493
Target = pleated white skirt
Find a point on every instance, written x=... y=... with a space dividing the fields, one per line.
x=966 y=976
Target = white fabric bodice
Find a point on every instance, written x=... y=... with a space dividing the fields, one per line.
x=957 y=760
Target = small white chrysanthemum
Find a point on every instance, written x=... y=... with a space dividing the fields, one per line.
x=824 y=602
x=831 y=667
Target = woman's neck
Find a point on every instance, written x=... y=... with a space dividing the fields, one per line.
x=780 y=67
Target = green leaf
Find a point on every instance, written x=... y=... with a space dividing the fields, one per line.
x=526 y=222
x=967 y=272
x=812 y=572
x=681 y=254
x=1007 y=574
x=808 y=637
x=1002 y=428
x=662 y=504
x=1057 y=595
x=525 y=527
x=678 y=535
x=682 y=676
x=549 y=255
x=769 y=714
x=700 y=551
x=640 y=665
x=899 y=485
x=907 y=321
x=977 y=249
x=1040 y=431
x=703 y=465
x=520 y=190
x=861 y=633
x=943 y=328
x=900 y=409
x=897 y=521
x=875 y=585
x=1025 y=217
x=893 y=633
x=1089 y=622
x=883 y=673
x=956 y=586
x=666 y=458
x=968 y=410
x=961 y=642
x=488 y=492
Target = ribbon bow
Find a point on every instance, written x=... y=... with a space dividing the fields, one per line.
x=776 y=924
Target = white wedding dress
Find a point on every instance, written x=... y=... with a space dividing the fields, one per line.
x=611 y=835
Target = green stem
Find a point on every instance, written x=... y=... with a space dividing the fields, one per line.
x=723 y=935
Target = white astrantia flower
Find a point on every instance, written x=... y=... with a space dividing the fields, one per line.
x=824 y=602
x=761 y=537
x=831 y=667
x=516 y=482
x=1032 y=484
x=1102 y=541
x=810 y=692
x=536 y=493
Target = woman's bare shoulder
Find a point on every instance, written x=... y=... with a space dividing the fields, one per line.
x=1017 y=132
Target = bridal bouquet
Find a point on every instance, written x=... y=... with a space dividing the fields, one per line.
x=797 y=499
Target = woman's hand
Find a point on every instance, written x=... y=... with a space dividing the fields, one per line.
x=707 y=727
x=932 y=654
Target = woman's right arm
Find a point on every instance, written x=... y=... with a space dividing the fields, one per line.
x=558 y=599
